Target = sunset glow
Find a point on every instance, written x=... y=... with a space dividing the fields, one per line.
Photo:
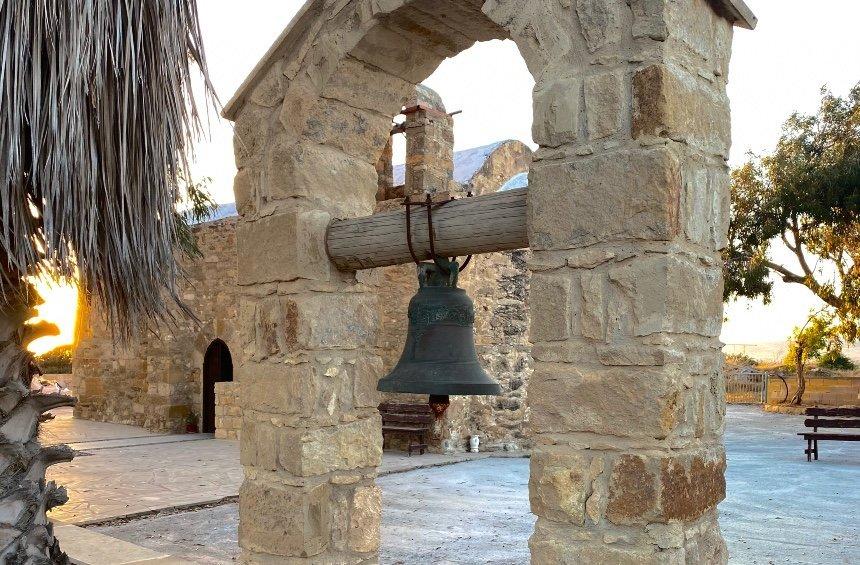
x=60 y=307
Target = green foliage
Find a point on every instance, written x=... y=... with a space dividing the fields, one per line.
x=807 y=195
x=56 y=361
x=820 y=336
x=836 y=360
x=200 y=206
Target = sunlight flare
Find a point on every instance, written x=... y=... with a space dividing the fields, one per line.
x=60 y=307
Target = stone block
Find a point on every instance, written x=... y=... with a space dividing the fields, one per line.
x=649 y=19
x=604 y=104
x=364 y=519
x=259 y=445
x=284 y=247
x=601 y=22
x=359 y=133
x=629 y=195
x=559 y=485
x=367 y=87
x=324 y=175
x=556 y=112
x=251 y=131
x=669 y=293
x=269 y=91
x=245 y=186
x=705 y=205
x=550 y=304
x=632 y=402
x=337 y=321
x=699 y=37
x=390 y=51
x=284 y=521
x=342 y=447
x=632 y=491
x=691 y=484
x=593 y=312
x=669 y=102
x=273 y=388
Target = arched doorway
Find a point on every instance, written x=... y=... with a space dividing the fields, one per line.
x=217 y=368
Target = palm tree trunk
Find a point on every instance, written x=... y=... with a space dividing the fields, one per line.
x=26 y=536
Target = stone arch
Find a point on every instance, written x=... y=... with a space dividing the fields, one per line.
x=217 y=368
x=627 y=209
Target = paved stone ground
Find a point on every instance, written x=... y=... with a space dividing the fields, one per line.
x=779 y=508
x=123 y=471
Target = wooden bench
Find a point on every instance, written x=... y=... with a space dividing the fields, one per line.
x=829 y=418
x=412 y=420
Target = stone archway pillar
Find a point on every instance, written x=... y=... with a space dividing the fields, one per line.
x=628 y=210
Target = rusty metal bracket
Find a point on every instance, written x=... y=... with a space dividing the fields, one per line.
x=428 y=203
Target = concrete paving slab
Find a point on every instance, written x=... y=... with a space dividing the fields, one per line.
x=123 y=472
x=89 y=547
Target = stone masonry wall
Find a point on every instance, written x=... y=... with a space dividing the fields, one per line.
x=628 y=204
x=155 y=380
x=228 y=411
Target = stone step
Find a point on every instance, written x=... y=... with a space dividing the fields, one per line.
x=88 y=547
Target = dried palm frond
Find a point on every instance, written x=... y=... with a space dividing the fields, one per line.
x=97 y=117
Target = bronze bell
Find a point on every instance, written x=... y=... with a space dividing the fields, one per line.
x=440 y=357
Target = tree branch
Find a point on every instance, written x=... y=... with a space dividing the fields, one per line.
x=787 y=275
x=798 y=249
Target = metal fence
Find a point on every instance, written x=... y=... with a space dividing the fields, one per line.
x=746 y=386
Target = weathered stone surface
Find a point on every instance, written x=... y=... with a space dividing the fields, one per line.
x=283 y=247
x=632 y=491
x=318 y=173
x=705 y=205
x=556 y=112
x=284 y=521
x=390 y=51
x=600 y=21
x=366 y=87
x=614 y=401
x=550 y=303
x=624 y=195
x=364 y=519
x=604 y=104
x=359 y=133
x=668 y=293
x=269 y=92
x=691 y=485
x=669 y=102
x=342 y=447
x=593 y=305
x=559 y=485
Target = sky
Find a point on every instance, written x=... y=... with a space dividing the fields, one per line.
x=798 y=47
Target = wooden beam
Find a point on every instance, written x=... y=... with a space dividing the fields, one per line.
x=484 y=224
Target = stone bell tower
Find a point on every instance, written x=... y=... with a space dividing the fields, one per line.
x=429 y=144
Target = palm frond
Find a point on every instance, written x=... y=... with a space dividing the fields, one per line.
x=96 y=124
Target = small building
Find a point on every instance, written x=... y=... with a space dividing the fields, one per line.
x=171 y=376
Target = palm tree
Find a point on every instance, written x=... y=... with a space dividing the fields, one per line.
x=96 y=123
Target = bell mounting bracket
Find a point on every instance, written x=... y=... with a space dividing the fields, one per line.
x=430 y=205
